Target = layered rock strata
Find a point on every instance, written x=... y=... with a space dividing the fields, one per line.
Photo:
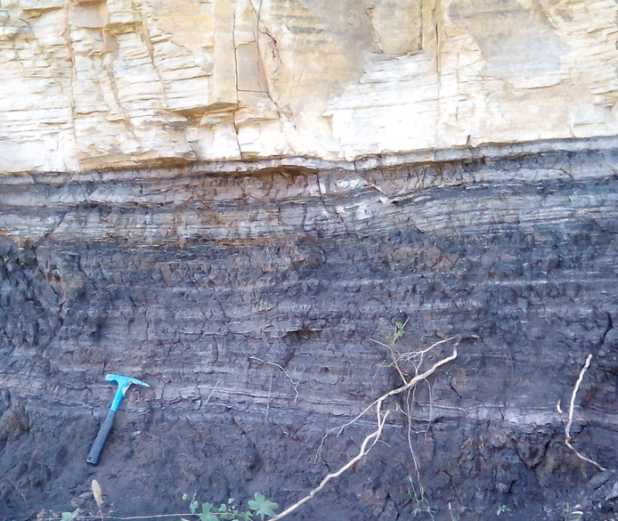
x=118 y=83
x=247 y=294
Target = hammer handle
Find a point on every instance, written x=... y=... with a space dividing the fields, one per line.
x=99 y=441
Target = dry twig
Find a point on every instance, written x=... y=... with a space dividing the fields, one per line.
x=567 y=430
x=407 y=386
x=416 y=358
x=398 y=390
x=293 y=382
x=366 y=446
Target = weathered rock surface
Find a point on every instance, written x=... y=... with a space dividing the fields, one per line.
x=182 y=276
x=231 y=198
x=111 y=83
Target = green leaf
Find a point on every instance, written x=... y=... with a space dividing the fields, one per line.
x=69 y=516
x=262 y=506
x=207 y=513
x=193 y=505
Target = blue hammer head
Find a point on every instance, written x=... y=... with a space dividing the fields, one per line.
x=124 y=382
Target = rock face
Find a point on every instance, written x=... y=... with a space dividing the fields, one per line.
x=235 y=199
x=249 y=301
x=99 y=84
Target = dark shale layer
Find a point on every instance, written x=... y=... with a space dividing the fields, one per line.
x=208 y=285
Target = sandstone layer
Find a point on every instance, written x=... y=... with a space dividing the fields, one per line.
x=111 y=83
x=234 y=199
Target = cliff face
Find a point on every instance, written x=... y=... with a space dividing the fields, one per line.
x=231 y=199
x=249 y=301
x=97 y=84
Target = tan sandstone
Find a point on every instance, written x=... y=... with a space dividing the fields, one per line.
x=114 y=83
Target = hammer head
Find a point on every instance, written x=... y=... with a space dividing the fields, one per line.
x=124 y=382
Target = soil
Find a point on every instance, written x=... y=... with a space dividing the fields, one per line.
x=249 y=302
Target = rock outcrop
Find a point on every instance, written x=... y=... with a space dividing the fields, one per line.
x=99 y=84
x=231 y=198
x=209 y=284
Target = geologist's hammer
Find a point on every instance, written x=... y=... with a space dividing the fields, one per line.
x=124 y=382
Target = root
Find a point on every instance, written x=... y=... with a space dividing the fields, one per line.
x=374 y=437
x=293 y=382
x=568 y=439
x=407 y=386
x=416 y=359
x=366 y=446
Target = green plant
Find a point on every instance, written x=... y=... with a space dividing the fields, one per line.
x=258 y=507
x=262 y=506
x=400 y=329
x=571 y=513
x=69 y=516
x=416 y=494
x=503 y=509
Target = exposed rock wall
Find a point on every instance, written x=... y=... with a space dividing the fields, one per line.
x=99 y=84
x=181 y=276
x=208 y=193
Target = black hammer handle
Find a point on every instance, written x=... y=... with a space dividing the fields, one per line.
x=99 y=441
